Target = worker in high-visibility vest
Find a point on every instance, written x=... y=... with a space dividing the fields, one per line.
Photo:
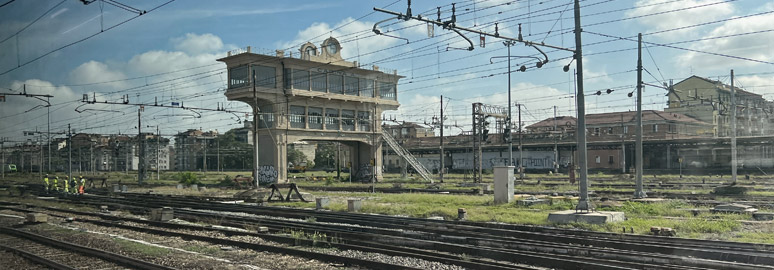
x=74 y=185
x=82 y=185
x=66 y=185
x=56 y=183
x=45 y=180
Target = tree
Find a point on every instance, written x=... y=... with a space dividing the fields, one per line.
x=325 y=157
x=296 y=157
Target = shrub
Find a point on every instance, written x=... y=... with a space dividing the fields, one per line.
x=188 y=178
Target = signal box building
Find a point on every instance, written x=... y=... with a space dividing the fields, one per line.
x=313 y=95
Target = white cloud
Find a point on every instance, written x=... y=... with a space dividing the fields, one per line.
x=23 y=113
x=757 y=84
x=753 y=46
x=96 y=72
x=194 y=44
x=367 y=42
x=683 y=17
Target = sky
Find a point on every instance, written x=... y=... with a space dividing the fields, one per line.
x=168 y=54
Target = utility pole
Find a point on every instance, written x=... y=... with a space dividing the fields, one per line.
x=217 y=141
x=48 y=136
x=2 y=151
x=158 y=154
x=338 y=160
x=126 y=160
x=623 y=147
x=40 y=164
x=583 y=202
x=638 y=191
x=556 y=149
x=521 y=146
x=204 y=158
x=508 y=44
x=141 y=162
x=69 y=154
x=440 y=170
x=733 y=129
x=255 y=132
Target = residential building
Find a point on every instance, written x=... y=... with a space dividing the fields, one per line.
x=710 y=101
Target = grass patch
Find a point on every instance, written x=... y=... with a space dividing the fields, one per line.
x=144 y=249
x=209 y=250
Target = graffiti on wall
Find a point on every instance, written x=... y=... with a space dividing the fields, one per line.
x=267 y=174
x=364 y=172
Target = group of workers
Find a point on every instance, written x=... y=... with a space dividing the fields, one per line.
x=74 y=186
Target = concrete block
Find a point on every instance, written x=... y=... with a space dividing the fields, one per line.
x=116 y=188
x=179 y=186
x=531 y=201
x=322 y=202
x=733 y=208
x=202 y=188
x=195 y=187
x=435 y=218
x=124 y=189
x=763 y=216
x=570 y=216
x=503 y=184
x=162 y=214
x=354 y=205
x=37 y=218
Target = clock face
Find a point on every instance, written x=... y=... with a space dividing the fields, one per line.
x=332 y=48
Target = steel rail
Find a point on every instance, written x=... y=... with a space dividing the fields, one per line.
x=37 y=259
x=253 y=246
x=105 y=255
x=383 y=220
x=726 y=256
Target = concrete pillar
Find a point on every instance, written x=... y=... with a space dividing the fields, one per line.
x=367 y=161
x=503 y=184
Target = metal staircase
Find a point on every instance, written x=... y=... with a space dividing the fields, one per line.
x=406 y=155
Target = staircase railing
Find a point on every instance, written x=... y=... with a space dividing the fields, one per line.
x=406 y=155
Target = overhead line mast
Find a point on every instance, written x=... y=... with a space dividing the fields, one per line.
x=583 y=203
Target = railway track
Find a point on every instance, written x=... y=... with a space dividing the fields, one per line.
x=543 y=246
x=63 y=255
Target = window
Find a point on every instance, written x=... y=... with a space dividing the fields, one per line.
x=597 y=159
x=625 y=130
x=348 y=120
x=363 y=121
x=300 y=79
x=350 y=85
x=286 y=73
x=366 y=88
x=297 y=117
x=387 y=90
x=319 y=83
x=331 y=119
x=596 y=131
x=237 y=77
x=265 y=76
x=315 y=118
x=609 y=130
x=335 y=84
x=610 y=160
x=265 y=117
x=655 y=128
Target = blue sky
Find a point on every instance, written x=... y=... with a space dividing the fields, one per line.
x=183 y=39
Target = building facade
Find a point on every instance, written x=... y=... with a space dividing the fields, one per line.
x=314 y=95
x=710 y=101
